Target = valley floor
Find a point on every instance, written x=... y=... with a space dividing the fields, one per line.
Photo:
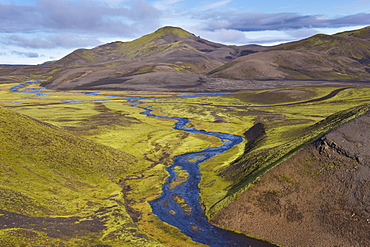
x=49 y=184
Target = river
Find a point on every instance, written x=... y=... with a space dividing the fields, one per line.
x=179 y=204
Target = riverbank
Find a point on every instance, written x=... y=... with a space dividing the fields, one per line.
x=318 y=197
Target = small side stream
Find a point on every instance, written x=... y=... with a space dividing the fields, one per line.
x=179 y=204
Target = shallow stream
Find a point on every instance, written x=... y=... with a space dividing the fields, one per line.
x=179 y=204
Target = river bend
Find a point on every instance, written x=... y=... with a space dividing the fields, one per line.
x=180 y=205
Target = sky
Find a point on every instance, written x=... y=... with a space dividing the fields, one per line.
x=36 y=31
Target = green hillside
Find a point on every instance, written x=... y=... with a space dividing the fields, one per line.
x=363 y=33
x=166 y=55
x=343 y=56
x=57 y=188
x=163 y=39
x=354 y=45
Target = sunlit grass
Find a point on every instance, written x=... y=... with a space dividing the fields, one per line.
x=153 y=143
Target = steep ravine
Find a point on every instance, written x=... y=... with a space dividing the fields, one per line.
x=318 y=197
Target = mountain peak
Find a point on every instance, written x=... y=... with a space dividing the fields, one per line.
x=169 y=30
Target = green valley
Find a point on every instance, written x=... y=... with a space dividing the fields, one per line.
x=102 y=161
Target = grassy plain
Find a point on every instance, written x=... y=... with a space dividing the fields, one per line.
x=288 y=125
x=152 y=144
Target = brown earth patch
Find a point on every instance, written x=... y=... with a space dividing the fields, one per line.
x=59 y=227
x=318 y=197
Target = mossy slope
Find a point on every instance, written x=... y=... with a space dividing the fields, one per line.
x=168 y=52
x=59 y=189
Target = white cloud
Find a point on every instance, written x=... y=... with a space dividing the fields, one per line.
x=214 y=5
x=226 y=36
x=301 y=33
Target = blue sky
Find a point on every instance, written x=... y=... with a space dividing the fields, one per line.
x=35 y=31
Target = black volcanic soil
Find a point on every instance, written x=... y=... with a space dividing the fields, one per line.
x=318 y=197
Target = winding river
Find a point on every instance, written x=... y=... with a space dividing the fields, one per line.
x=179 y=204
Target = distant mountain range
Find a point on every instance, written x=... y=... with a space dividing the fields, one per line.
x=176 y=60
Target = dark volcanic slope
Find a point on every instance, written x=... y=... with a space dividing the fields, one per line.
x=318 y=197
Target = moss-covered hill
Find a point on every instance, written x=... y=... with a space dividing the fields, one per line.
x=57 y=189
x=169 y=58
x=343 y=56
x=164 y=39
x=168 y=55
